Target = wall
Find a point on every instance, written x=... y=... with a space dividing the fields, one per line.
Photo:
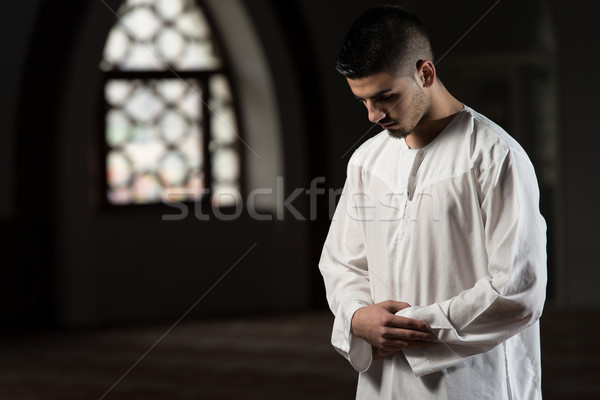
x=15 y=35
x=100 y=276
x=115 y=265
x=578 y=33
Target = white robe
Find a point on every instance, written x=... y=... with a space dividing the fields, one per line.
x=453 y=229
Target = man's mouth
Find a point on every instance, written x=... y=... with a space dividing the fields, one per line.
x=387 y=125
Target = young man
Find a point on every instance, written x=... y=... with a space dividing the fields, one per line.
x=435 y=262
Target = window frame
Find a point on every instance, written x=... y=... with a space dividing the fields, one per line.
x=203 y=77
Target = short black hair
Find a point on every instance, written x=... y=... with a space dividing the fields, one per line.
x=384 y=39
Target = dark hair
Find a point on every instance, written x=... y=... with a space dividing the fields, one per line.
x=384 y=39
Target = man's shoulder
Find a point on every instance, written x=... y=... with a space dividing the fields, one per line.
x=488 y=141
x=366 y=152
x=487 y=135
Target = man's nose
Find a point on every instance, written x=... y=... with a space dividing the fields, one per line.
x=375 y=114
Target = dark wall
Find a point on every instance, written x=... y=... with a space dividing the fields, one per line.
x=493 y=68
x=578 y=28
x=32 y=65
x=15 y=35
x=345 y=120
x=130 y=265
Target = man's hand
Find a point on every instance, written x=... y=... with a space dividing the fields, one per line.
x=387 y=332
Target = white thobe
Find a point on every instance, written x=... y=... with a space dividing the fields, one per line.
x=453 y=229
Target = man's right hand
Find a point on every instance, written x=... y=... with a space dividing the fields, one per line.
x=387 y=332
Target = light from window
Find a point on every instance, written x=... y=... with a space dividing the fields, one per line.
x=169 y=107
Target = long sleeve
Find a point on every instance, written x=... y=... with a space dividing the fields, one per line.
x=344 y=268
x=511 y=297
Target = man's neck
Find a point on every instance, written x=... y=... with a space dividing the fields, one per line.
x=444 y=108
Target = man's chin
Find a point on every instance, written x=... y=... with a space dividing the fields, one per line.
x=397 y=133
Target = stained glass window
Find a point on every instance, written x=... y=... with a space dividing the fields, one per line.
x=170 y=121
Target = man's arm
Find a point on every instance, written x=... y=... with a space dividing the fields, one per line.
x=359 y=325
x=387 y=332
x=511 y=297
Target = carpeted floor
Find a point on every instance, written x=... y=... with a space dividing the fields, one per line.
x=254 y=358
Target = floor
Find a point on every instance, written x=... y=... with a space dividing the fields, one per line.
x=254 y=358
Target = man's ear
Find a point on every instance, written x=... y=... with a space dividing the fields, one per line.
x=425 y=73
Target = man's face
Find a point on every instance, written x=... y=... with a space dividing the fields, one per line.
x=398 y=104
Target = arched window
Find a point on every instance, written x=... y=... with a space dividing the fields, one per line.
x=170 y=121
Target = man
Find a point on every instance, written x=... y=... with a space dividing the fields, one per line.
x=435 y=262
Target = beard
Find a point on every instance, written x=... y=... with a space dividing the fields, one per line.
x=417 y=110
x=398 y=133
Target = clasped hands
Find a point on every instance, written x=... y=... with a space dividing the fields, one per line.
x=387 y=332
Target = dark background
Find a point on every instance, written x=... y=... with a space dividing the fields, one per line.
x=69 y=263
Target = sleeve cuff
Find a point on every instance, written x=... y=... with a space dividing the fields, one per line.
x=360 y=354
x=437 y=356
x=356 y=350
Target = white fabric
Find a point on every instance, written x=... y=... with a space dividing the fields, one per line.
x=453 y=229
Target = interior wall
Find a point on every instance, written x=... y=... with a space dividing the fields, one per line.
x=101 y=276
x=27 y=291
x=253 y=79
x=15 y=35
x=577 y=29
x=130 y=265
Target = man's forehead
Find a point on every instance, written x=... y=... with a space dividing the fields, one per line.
x=376 y=85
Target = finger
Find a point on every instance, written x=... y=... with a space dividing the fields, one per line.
x=417 y=344
x=397 y=345
x=408 y=323
x=409 y=334
x=395 y=306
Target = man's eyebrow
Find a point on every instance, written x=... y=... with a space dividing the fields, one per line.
x=375 y=96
